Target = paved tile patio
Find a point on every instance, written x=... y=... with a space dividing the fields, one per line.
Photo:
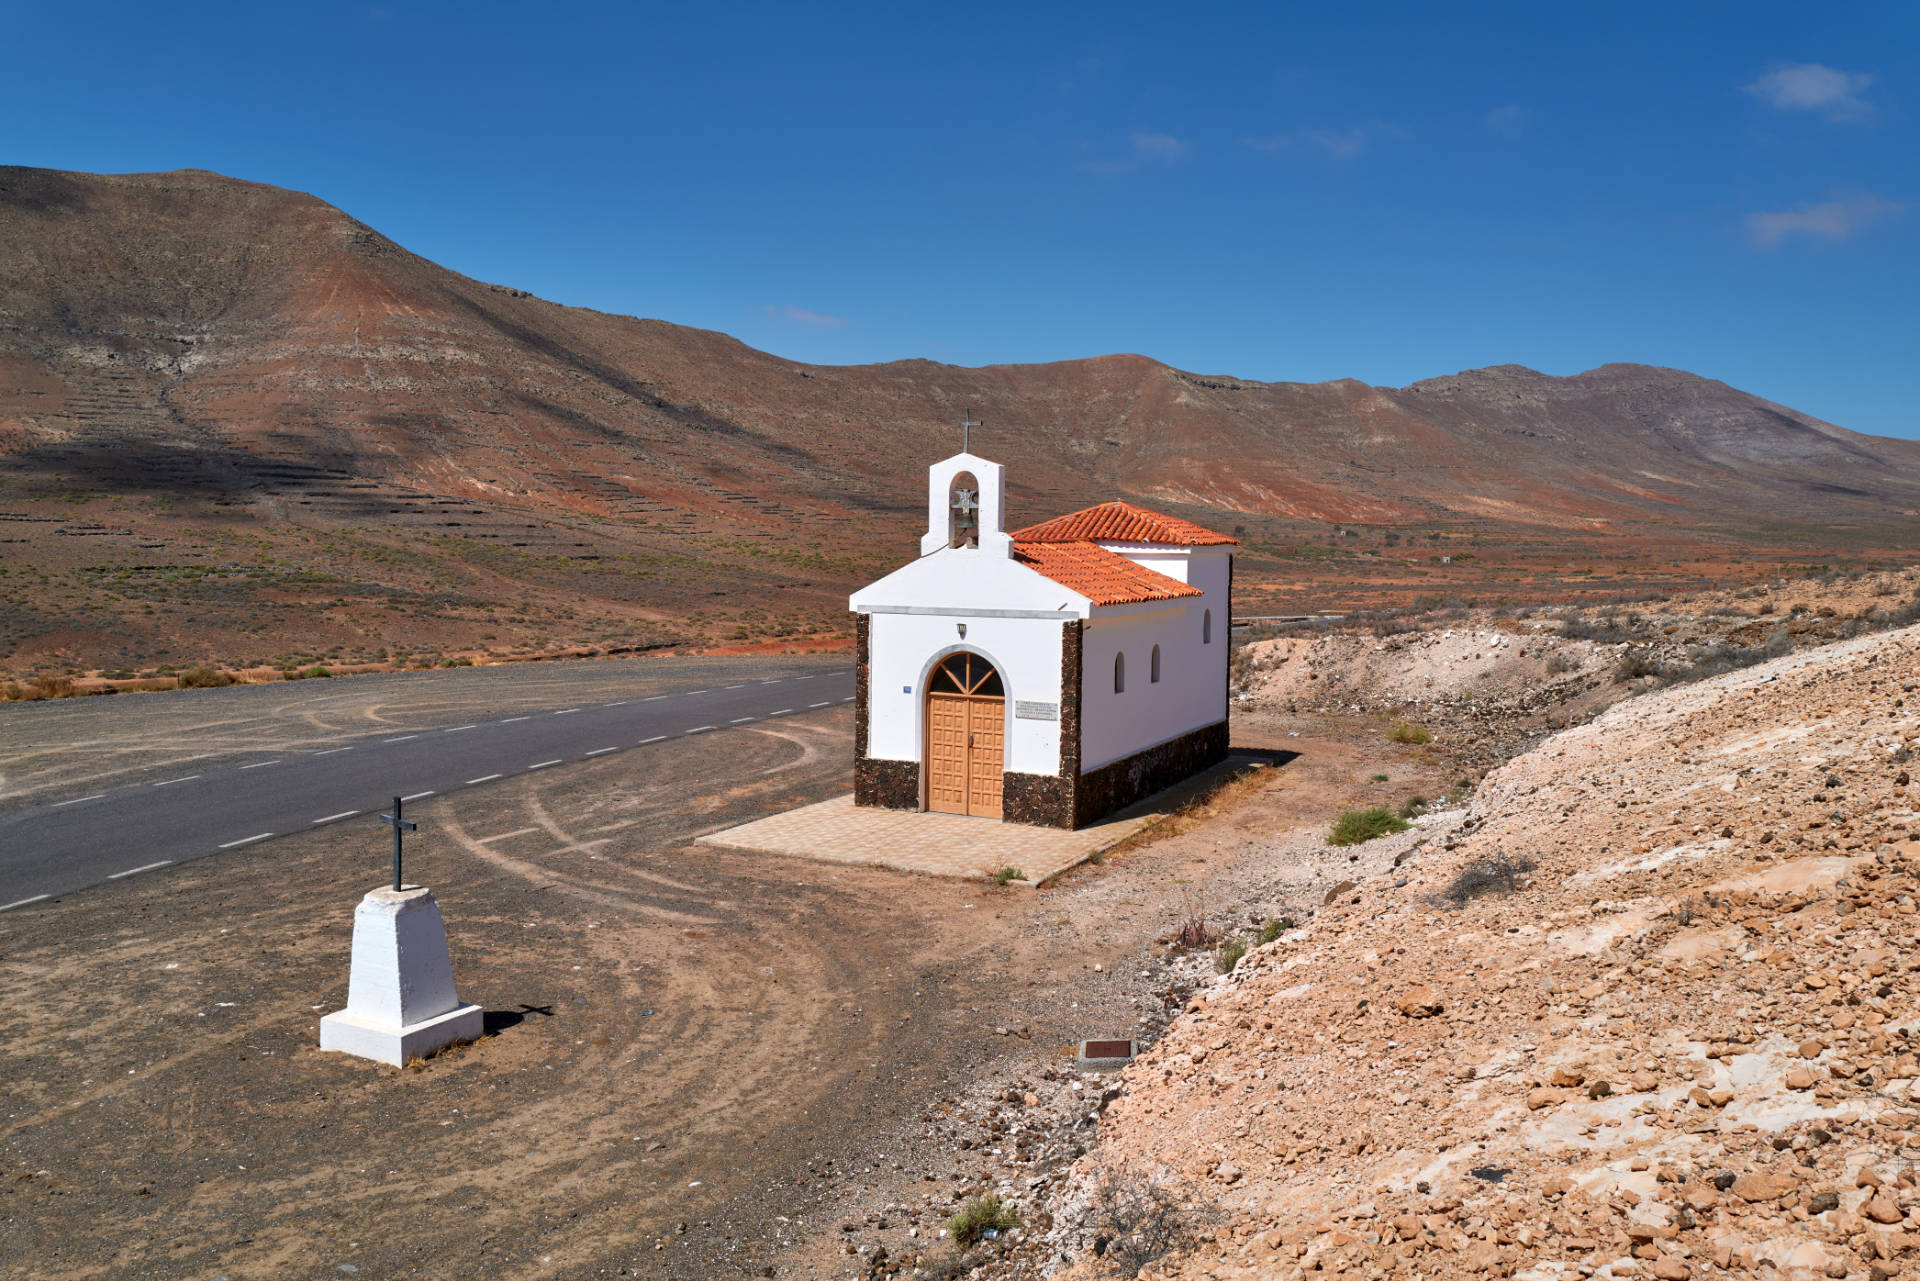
x=837 y=831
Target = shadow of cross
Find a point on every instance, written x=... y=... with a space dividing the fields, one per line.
x=399 y=825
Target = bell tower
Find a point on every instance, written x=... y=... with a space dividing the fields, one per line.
x=966 y=506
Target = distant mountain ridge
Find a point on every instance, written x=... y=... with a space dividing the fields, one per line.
x=195 y=331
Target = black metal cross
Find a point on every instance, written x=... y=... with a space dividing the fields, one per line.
x=399 y=825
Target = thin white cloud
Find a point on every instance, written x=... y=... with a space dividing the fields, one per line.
x=1335 y=144
x=1158 y=146
x=1808 y=86
x=1143 y=149
x=1509 y=121
x=1836 y=218
x=801 y=316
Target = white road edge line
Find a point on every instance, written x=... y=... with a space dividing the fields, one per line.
x=484 y=778
x=566 y=711
x=331 y=750
x=76 y=800
x=170 y=782
x=403 y=738
x=742 y=720
x=701 y=730
x=457 y=728
x=329 y=818
x=135 y=871
x=543 y=764
x=417 y=796
x=622 y=703
x=803 y=678
x=259 y=764
x=22 y=902
x=511 y=719
x=782 y=712
x=829 y=703
x=726 y=687
x=657 y=738
x=248 y=841
x=690 y=693
x=602 y=751
x=654 y=699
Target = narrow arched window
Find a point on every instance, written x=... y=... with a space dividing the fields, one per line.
x=1206 y=628
x=1119 y=673
x=1153 y=667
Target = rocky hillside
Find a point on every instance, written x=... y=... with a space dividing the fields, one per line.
x=188 y=310
x=1647 y=1008
x=199 y=373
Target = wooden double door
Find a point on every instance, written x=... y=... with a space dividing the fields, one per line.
x=966 y=737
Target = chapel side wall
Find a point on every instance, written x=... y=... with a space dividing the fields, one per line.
x=902 y=648
x=1190 y=695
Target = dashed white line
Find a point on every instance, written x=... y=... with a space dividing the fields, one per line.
x=566 y=711
x=331 y=817
x=782 y=712
x=692 y=692
x=656 y=698
x=742 y=720
x=657 y=738
x=22 y=902
x=188 y=778
x=417 y=796
x=847 y=699
x=805 y=678
x=76 y=800
x=484 y=778
x=259 y=764
x=457 y=728
x=828 y=703
x=246 y=841
x=135 y=871
x=622 y=703
x=403 y=738
x=331 y=750
x=543 y=764
x=701 y=730
x=726 y=687
x=602 y=751
x=511 y=719
x=778 y=680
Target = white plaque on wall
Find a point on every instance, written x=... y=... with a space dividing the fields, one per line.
x=1026 y=711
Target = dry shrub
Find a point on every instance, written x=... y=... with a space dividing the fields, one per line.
x=1488 y=876
x=1132 y=1221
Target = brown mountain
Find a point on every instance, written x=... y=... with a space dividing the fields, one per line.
x=243 y=377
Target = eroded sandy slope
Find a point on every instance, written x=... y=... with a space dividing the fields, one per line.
x=1680 y=1047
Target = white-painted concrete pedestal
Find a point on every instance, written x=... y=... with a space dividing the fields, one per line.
x=400 y=999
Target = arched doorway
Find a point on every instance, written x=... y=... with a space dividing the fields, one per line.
x=966 y=736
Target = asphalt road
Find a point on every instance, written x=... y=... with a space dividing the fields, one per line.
x=243 y=800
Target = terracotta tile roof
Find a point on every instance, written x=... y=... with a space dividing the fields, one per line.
x=1121 y=523
x=1103 y=577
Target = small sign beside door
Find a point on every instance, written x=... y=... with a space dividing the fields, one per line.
x=1023 y=710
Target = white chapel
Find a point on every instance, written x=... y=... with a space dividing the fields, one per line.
x=1052 y=675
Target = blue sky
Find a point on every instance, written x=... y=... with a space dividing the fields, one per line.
x=1385 y=192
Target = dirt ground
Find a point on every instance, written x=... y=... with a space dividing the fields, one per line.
x=680 y=1039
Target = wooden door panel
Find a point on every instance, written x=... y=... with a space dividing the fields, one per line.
x=947 y=719
x=986 y=759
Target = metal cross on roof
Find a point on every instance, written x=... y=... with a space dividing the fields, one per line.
x=399 y=825
x=966 y=432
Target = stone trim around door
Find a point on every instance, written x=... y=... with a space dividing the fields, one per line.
x=887 y=785
x=1046 y=800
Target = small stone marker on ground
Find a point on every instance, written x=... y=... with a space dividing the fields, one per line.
x=1105 y=1056
x=401 y=1002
